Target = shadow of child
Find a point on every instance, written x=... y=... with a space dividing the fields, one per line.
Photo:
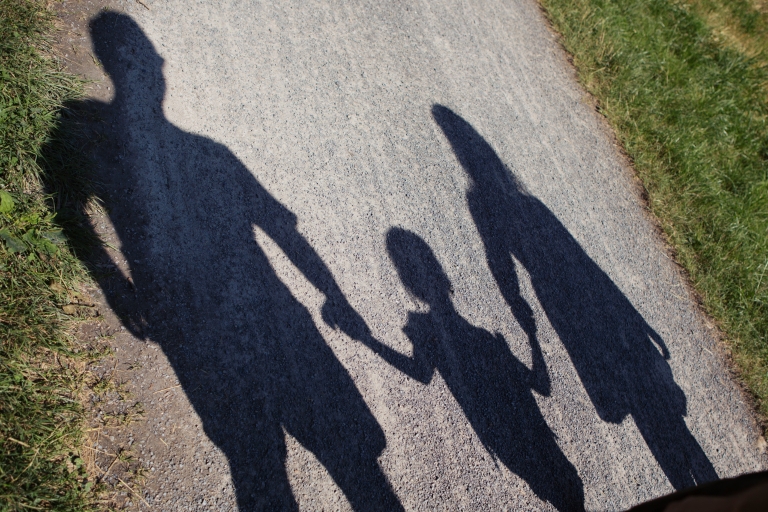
x=492 y=387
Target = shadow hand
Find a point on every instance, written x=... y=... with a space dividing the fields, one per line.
x=340 y=314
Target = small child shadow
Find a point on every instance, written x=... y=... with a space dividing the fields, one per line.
x=492 y=387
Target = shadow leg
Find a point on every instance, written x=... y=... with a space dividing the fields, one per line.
x=364 y=484
x=676 y=450
x=257 y=465
x=349 y=452
x=330 y=420
x=547 y=471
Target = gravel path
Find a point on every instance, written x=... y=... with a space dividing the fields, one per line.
x=387 y=256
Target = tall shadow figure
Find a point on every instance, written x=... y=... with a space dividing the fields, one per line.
x=246 y=352
x=492 y=387
x=612 y=347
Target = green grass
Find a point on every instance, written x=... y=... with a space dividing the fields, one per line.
x=40 y=376
x=685 y=86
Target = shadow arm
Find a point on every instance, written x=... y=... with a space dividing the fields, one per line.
x=280 y=224
x=502 y=267
x=124 y=304
x=414 y=367
x=539 y=376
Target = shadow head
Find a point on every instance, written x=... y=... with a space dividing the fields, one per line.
x=129 y=57
x=481 y=163
x=418 y=267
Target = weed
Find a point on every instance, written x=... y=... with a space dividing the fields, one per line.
x=40 y=367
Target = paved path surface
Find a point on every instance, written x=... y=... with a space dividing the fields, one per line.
x=391 y=258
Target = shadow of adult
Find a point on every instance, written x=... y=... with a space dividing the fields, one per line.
x=492 y=387
x=620 y=359
x=246 y=352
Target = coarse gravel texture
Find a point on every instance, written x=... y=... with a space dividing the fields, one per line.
x=370 y=255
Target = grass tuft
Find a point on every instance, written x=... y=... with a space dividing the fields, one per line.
x=685 y=87
x=40 y=368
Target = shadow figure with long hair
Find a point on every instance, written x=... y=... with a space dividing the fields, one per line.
x=620 y=359
x=493 y=388
x=246 y=352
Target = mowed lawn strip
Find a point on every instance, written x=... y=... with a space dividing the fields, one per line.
x=40 y=413
x=685 y=86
